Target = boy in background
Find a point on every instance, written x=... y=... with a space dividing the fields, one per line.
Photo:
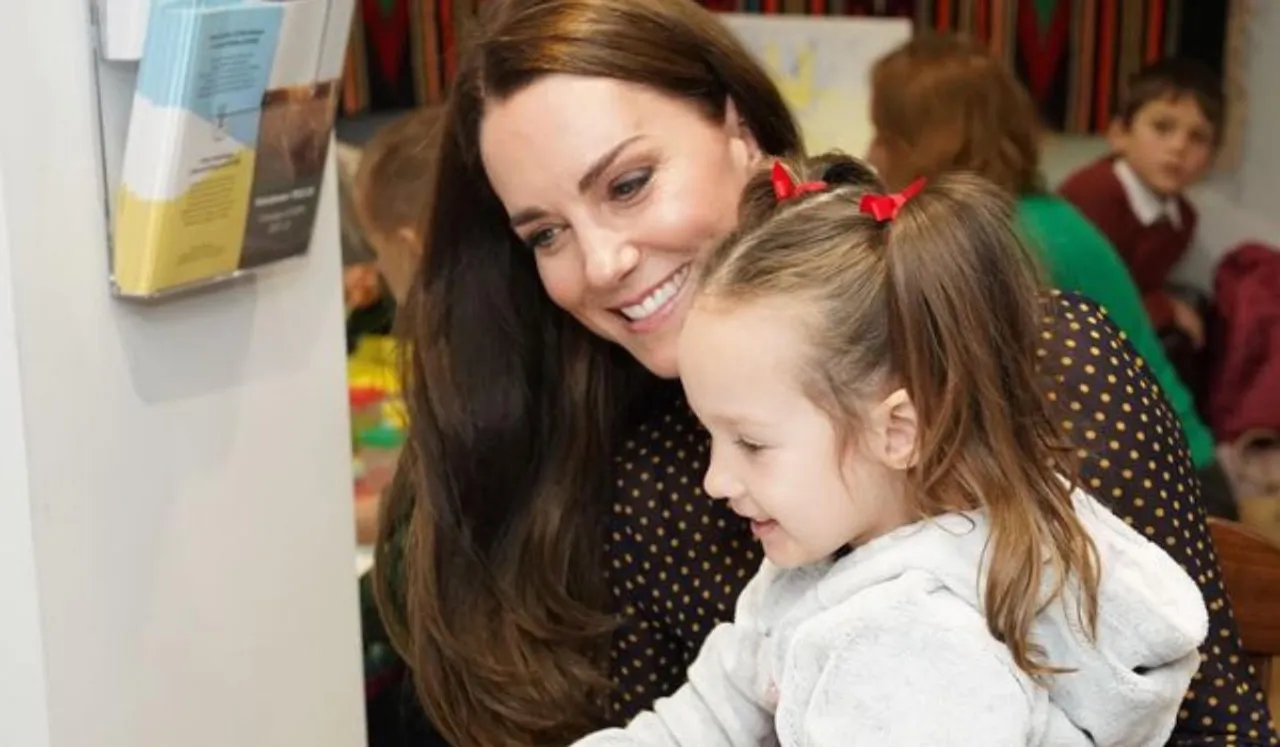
x=1163 y=139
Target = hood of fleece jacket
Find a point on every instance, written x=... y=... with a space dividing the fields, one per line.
x=1132 y=677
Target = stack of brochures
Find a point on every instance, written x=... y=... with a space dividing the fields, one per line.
x=227 y=140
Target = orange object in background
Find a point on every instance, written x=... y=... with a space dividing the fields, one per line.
x=366 y=408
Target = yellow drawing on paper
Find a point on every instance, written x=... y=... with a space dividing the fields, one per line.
x=823 y=66
x=831 y=116
x=797 y=86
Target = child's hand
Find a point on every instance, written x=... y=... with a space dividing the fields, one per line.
x=1186 y=319
x=360 y=287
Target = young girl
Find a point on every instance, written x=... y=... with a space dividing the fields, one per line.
x=866 y=367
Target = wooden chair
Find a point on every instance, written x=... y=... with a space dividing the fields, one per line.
x=1251 y=575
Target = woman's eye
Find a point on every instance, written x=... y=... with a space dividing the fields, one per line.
x=751 y=447
x=630 y=185
x=541 y=238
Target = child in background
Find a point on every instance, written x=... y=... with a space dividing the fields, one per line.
x=392 y=193
x=393 y=189
x=866 y=365
x=942 y=103
x=1163 y=140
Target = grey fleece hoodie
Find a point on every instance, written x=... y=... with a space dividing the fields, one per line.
x=888 y=646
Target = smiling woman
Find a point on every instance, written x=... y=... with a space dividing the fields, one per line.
x=593 y=150
x=616 y=209
x=548 y=562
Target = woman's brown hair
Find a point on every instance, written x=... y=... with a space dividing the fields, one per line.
x=945 y=302
x=941 y=103
x=489 y=570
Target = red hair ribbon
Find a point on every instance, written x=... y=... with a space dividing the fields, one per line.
x=886 y=207
x=785 y=187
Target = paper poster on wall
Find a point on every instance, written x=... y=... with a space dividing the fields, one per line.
x=822 y=65
x=227 y=139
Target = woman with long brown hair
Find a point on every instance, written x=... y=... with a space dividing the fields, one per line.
x=547 y=562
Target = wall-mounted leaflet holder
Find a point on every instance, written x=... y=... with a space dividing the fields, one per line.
x=216 y=119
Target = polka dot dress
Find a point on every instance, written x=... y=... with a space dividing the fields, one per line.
x=678 y=560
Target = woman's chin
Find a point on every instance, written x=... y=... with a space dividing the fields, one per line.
x=656 y=349
x=661 y=363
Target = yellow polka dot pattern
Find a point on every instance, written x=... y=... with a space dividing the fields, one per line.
x=678 y=560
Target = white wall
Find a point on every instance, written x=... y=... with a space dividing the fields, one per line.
x=23 y=711
x=1256 y=184
x=176 y=536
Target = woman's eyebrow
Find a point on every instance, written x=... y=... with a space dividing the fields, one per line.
x=588 y=180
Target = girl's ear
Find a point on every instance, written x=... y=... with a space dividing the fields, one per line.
x=894 y=430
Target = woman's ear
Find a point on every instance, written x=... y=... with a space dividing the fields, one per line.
x=742 y=139
x=895 y=431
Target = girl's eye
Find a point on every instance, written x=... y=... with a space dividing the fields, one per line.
x=541 y=238
x=630 y=185
x=751 y=447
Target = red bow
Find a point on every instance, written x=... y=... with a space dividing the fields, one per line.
x=785 y=187
x=886 y=207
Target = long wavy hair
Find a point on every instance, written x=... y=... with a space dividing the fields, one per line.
x=947 y=302
x=489 y=572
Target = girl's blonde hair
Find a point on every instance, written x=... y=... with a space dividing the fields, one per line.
x=944 y=301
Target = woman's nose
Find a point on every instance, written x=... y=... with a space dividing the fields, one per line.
x=608 y=257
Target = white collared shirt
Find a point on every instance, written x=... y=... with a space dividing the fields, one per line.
x=1148 y=207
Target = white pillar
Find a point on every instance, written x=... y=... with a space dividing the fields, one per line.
x=176 y=540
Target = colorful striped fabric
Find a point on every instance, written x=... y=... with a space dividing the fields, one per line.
x=1074 y=55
